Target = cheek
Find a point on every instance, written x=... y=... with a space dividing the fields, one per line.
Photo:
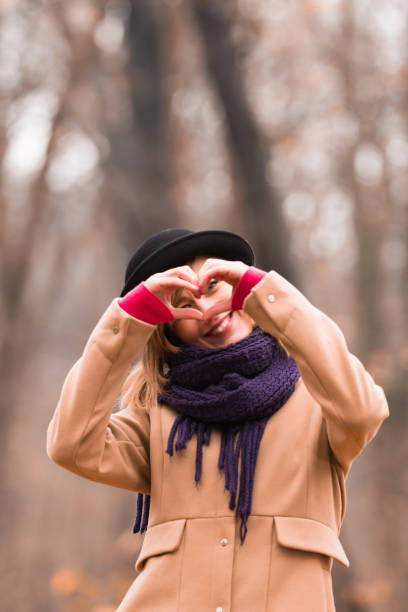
x=185 y=329
x=245 y=321
x=226 y=290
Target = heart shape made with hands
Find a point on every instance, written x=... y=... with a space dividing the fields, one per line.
x=229 y=273
x=198 y=282
x=221 y=305
x=218 y=308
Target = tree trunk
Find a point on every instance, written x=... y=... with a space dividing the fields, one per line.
x=260 y=208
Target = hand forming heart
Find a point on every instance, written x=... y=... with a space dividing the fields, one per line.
x=223 y=270
x=163 y=285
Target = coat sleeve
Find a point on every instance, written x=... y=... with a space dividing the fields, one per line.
x=353 y=405
x=83 y=435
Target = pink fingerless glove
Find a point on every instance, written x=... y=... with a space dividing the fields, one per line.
x=248 y=280
x=144 y=305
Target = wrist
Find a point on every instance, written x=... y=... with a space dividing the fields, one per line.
x=144 y=305
x=249 y=279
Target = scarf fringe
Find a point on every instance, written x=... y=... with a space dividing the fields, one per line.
x=236 y=388
x=245 y=447
x=143 y=505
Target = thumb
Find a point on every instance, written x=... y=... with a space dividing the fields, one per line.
x=222 y=306
x=187 y=313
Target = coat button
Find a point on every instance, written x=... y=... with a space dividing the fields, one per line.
x=271 y=298
x=219 y=609
x=116 y=329
x=224 y=542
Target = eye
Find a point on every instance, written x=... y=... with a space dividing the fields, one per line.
x=212 y=285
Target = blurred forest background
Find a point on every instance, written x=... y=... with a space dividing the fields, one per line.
x=283 y=120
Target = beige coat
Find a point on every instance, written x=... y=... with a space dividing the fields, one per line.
x=191 y=559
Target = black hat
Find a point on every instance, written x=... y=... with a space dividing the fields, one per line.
x=175 y=247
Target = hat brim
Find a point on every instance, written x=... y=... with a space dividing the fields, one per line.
x=213 y=243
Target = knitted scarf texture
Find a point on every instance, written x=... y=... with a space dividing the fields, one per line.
x=235 y=388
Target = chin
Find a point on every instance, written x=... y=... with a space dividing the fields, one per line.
x=239 y=337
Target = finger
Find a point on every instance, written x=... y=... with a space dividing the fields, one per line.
x=215 y=272
x=209 y=264
x=221 y=306
x=183 y=272
x=175 y=283
x=187 y=313
x=211 y=267
x=230 y=272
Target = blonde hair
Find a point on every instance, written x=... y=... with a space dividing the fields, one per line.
x=146 y=379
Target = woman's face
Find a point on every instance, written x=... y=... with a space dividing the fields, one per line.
x=224 y=328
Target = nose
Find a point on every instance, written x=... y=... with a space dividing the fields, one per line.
x=204 y=302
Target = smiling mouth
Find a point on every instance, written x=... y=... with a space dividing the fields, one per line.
x=222 y=327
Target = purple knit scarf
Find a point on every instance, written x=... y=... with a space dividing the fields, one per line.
x=235 y=388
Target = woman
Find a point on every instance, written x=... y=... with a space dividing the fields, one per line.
x=245 y=517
